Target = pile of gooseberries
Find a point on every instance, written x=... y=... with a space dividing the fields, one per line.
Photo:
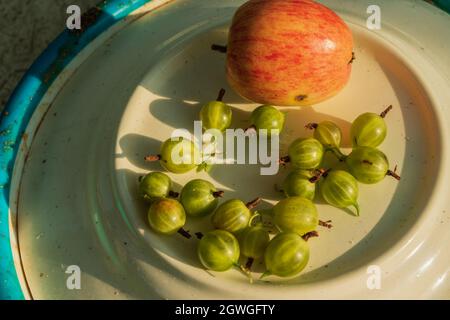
x=239 y=234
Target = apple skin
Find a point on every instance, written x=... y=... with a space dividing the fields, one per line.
x=288 y=52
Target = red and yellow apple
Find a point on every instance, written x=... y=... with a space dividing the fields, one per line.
x=288 y=52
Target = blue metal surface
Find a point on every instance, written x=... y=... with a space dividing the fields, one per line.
x=24 y=101
x=443 y=4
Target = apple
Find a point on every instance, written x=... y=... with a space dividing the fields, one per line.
x=288 y=52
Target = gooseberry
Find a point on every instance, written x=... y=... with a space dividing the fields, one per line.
x=253 y=243
x=296 y=214
x=327 y=133
x=268 y=118
x=199 y=197
x=369 y=129
x=216 y=114
x=304 y=154
x=218 y=250
x=233 y=215
x=298 y=183
x=178 y=155
x=156 y=185
x=340 y=189
x=286 y=255
x=166 y=216
x=369 y=165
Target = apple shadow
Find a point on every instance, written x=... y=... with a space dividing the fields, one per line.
x=168 y=111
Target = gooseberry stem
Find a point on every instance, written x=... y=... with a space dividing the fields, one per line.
x=255 y=215
x=219 y=48
x=253 y=204
x=221 y=94
x=218 y=194
x=249 y=264
x=356 y=206
x=319 y=174
x=309 y=235
x=393 y=174
x=199 y=235
x=153 y=158
x=385 y=112
x=246 y=272
x=338 y=154
x=285 y=160
x=184 y=233
x=311 y=126
x=353 y=58
x=173 y=194
x=326 y=224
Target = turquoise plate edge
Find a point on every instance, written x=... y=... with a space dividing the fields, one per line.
x=21 y=105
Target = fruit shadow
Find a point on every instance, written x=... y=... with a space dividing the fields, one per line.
x=408 y=202
x=195 y=72
x=135 y=147
x=181 y=115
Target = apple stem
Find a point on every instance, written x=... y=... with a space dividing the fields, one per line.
x=253 y=204
x=219 y=48
x=309 y=235
x=221 y=94
x=353 y=58
x=153 y=158
x=385 y=112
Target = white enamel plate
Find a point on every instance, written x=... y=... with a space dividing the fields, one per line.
x=75 y=176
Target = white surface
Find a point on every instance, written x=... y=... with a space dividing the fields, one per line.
x=79 y=207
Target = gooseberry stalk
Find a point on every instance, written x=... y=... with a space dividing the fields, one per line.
x=369 y=129
x=339 y=189
x=369 y=165
x=234 y=215
x=216 y=114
